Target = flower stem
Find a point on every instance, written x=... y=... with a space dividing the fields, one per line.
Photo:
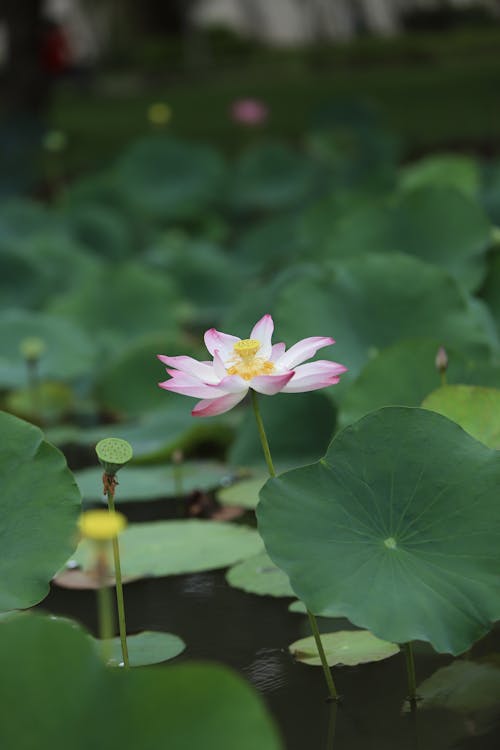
x=410 y=668
x=312 y=619
x=321 y=651
x=262 y=435
x=104 y=606
x=118 y=585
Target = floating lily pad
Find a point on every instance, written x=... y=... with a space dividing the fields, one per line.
x=346 y=647
x=148 y=647
x=462 y=686
x=176 y=547
x=149 y=703
x=475 y=409
x=68 y=352
x=259 y=575
x=138 y=483
x=40 y=507
x=395 y=529
x=244 y=494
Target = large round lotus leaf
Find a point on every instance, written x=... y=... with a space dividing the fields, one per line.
x=35 y=268
x=491 y=287
x=175 y=547
x=404 y=374
x=23 y=282
x=153 y=482
x=299 y=427
x=147 y=647
x=370 y=303
x=475 y=409
x=122 y=302
x=446 y=227
x=490 y=189
x=346 y=647
x=259 y=575
x=462 y=686
x=395 y=529
x=40 y=504
x=101 y=230
x=272 y=244
x=205 y=274
x=67 y=350
x=128 y=384
x=271 y=177
x=20 y=217
x=244 y=494
x=439 y=225
x=105 y=192
x=168 y=179
x=64 y=691
x=442 y=170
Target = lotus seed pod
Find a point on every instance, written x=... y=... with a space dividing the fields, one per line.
x=54 y=141
x=32 y=348
x=159 y=113
x=113 y=453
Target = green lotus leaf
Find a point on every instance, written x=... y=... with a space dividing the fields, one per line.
x=395 y=529
x=475 y=409
x=138 y=483
x=68 y=352
x=272 y=177
x=259 y=575
x=168 y=179
x=138 y=391
x=40 y=507
x=405 y=373
x=345 y=647
x=442 y=170
x=344 y=301
x=490 y=289
x=147 y=647
x=312 y=413
x=462 y=686
x=116 y=708
x=439 y=225
x=123 y=302
x=177 y=547
x=206 y=275
x=244 y=494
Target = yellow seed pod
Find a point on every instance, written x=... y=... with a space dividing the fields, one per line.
x=101 y=525
x=159 y=113
x=32 y=347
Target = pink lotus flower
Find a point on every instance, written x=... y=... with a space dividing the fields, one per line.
x=241 y=364
x=249 y=111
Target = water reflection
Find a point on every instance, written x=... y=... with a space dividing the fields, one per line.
x=266 y=672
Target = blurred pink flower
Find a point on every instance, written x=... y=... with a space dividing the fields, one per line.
x=241 y=364
x=249 y=111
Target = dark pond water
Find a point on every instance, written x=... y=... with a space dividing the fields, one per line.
x=251 y=634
